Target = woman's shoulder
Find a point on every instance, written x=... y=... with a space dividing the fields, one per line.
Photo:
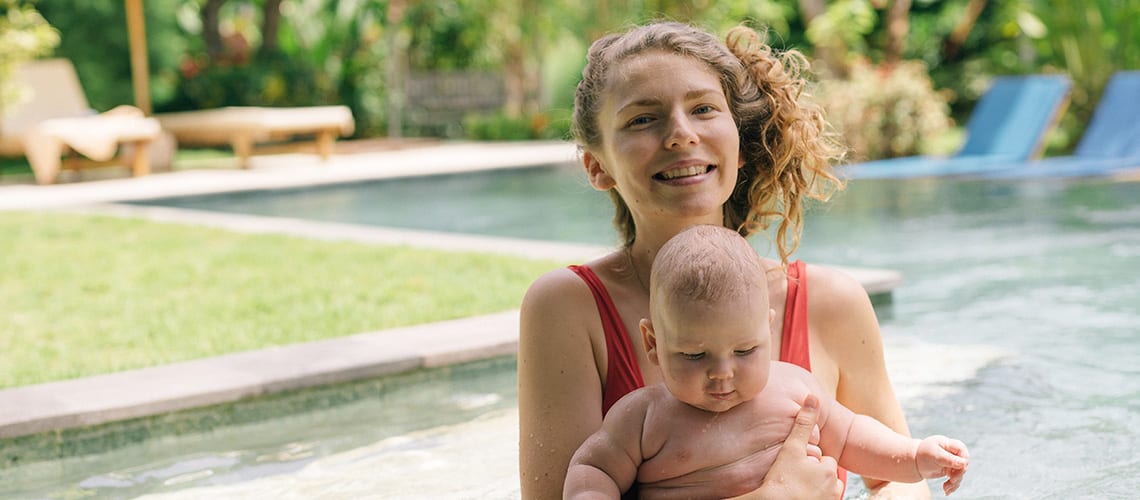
x=550 y=291
x=562 y=297
x=842 y=318
x=557 y=283
x=834 y=292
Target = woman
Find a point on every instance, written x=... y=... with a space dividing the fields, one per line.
x=682 y=129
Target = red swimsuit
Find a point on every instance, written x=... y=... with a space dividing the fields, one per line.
x=623 y=375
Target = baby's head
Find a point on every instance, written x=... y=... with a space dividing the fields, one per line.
x=710 y=323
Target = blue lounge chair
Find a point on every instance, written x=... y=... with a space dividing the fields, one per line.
x=1109 y=144
x=1008 y=125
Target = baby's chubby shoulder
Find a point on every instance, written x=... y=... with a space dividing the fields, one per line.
x=644 y=397
x=792 y=381
x=790 y=370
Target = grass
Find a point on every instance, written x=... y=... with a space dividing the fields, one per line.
x=85 y=295
x=15 y=169
x=14 y=166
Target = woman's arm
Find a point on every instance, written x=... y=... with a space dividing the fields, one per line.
x=560 y=389
x=846 y=328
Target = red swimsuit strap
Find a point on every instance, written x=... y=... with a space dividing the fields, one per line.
x=623 y=374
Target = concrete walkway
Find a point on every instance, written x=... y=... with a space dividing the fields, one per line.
x=146 y=392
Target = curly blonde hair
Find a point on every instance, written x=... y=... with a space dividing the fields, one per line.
x=786 y=145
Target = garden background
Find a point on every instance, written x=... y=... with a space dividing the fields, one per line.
x=911 y=67
x=905 y=71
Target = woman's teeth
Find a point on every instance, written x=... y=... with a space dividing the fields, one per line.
x=683 y=172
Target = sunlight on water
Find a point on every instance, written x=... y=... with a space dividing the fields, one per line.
x=479 y=458
x=472 y=460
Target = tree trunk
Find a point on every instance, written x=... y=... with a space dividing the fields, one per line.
x=957 y=37
x=515 y=80
x=811 y=9
x=898 y=23
x=521 y=66
x=211 y=34
x=270 y=25
x=395 y=71
x=832 y=57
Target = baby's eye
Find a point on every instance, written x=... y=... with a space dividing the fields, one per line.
x=692 y=355
x=745 y=352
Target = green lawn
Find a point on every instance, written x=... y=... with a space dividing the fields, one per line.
x=84 y=295
x=14 y=167
x=16 y=170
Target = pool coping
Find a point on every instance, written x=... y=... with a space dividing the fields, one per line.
x=102 y=399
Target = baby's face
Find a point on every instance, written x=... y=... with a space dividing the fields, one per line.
x=714 y=356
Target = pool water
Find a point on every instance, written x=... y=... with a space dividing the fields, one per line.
x=543 y=203
x=310 y=442
x=1017 y=330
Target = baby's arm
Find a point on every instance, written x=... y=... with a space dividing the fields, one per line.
x=869 y=448
x=606 y=463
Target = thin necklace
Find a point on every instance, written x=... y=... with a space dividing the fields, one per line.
x=636 y=274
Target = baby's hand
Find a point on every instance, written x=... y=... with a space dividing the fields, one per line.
x=940 y=456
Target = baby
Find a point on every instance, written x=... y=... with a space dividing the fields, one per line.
x=714 y=427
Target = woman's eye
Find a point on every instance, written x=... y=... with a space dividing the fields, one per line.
x=702 y=109
x=641 y=120
x=745 y=352
x=692 y=356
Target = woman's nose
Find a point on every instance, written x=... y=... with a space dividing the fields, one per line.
x=681 y=133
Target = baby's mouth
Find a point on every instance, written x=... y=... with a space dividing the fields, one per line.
x=690 y=171
x=721 y=395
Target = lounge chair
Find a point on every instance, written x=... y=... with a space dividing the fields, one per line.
x=242 y=127
x=1008 y=125
x=1110 y=144
x=57 y=120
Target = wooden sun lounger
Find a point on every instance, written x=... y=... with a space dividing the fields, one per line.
x=56 y=119
x=242 y=127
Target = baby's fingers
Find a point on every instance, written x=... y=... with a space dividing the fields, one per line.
x=957 y=456
x=956 y=447
x=954 y=482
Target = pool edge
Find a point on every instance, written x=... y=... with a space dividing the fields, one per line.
x=101 y=399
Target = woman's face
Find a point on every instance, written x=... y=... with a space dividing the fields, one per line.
x=669 y=144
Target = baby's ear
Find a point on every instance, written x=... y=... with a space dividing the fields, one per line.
x=596 y=172
x=649 y=338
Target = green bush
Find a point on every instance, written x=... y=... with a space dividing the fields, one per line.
x=886 y=112
x=500 y=127
x=274 y=80
x=24 y=35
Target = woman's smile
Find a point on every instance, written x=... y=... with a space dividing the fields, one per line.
x=686 y=173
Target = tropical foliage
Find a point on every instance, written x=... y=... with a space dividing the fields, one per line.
x=362 y=53
x=884 y=112
x=24 y=35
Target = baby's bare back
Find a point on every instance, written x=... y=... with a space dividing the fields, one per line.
x=692 y=453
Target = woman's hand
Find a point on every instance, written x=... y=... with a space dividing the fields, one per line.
x=800 y=472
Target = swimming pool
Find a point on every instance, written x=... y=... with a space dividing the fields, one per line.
x=551 y=202
x=1017 y=330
